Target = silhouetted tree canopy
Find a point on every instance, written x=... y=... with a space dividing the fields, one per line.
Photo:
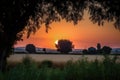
x=106 y=50
x=92 y=50
x=30 y=48
x=99 y=50
x=44 y=49
x=98 y=46
x=64 y=46
x=20 y=16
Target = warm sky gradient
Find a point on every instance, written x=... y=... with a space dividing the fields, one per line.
x=83 y=35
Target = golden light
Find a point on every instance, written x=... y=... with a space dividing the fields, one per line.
x=56 y=42
x=79 y=34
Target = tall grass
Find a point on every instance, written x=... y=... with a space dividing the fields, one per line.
x=108 y=69
x=84 y=70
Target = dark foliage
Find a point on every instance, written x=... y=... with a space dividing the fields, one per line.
x=64 y=46
x=30 y=48
x=83 y=69
x=44 y=49
x=46 y=63
x=98 y=46
x=14 y=16
x=99 y=50
x=92 y=50
x=106 y=50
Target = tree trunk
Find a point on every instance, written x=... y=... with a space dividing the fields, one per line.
x=5 y=47
x=3 y=60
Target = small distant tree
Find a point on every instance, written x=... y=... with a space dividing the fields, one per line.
x=99 y=48
x=106 y=50
x=30 y=48
x=64 y=46
x=92 y=50
x=44 y=49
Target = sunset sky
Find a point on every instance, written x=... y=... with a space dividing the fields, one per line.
x=83 y=35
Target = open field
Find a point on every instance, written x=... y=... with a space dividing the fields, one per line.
x=107 y=69
x=56 y=57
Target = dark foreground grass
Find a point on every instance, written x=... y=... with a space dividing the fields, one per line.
x=108 y=69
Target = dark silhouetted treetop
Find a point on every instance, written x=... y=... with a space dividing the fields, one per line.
x=30 y=48
x=106 y=50
x=73 y=11
x=92 y=50
x=98 y=46
x=64 y=46
x=102 y=10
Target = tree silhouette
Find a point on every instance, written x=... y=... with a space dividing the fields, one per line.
x=98 y=46
x=64 y=46
x=30 y=48
x=99 y=50
x=92 y=50
x=20 y=16
x=14 y=16
x=44 y=49
x=106 y=49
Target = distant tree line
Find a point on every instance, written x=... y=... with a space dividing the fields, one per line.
x=99 y=50
x=65 y=46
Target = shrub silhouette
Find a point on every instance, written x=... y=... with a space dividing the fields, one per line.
x=92 y=50
x=106 y=50
x=30 y=48
x=64 y=46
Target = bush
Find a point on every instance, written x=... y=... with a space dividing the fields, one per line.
x=92 y=50
x=106 y=50
x=30 y=48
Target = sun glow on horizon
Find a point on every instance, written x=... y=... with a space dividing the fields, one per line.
x=56 y=42
x=83 y=35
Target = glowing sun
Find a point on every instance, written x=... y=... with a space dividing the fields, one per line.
x=56 y=42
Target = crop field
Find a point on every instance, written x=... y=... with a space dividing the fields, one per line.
x=76 y=67
x=57 y=57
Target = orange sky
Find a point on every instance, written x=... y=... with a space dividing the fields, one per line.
x=83 y=35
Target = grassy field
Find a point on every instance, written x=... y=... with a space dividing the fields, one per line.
x=56 y=57
x=106 y=69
